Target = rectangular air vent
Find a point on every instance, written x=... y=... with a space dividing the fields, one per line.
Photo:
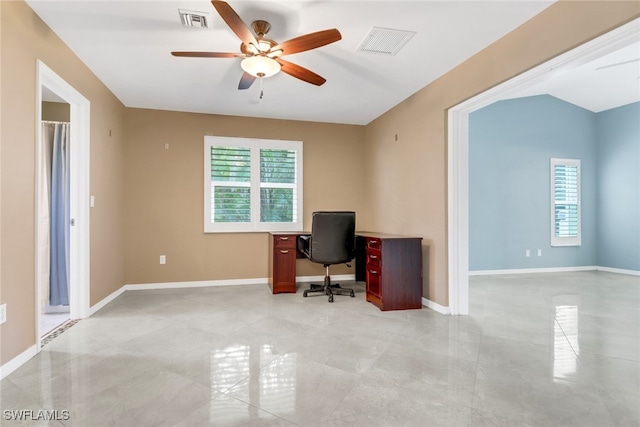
x=385 y=41
x=190 y=18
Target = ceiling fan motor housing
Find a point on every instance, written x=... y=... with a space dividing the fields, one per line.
x=260 y=27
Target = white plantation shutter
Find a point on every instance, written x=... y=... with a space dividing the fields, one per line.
x=252 y=185
x=565 y=202
x=230 y=184
x=278 y=189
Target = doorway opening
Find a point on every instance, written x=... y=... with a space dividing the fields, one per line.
x=54 y=218
x=73 y=108
x=458 y=148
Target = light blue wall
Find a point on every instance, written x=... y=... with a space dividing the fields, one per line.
x=510 y=144
x=618 y=209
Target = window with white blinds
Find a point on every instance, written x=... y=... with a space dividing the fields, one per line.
x=565 y=202
x=252 y=185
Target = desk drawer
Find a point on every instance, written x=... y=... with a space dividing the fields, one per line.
x=284 y=241
x=374 y=279
x=373 y=243
x=373 y=256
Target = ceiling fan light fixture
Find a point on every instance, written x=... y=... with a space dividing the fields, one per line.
x=264 y=46
x=260 y=66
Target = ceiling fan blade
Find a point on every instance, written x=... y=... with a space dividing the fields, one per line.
x=246 y=81
x=308 y=41
x=207 y=54
x=301 y=73
x=234 y=22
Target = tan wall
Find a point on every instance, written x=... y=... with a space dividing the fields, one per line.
x=56 y=111
x=165 y=193
x=406 y=179
x=24 y=39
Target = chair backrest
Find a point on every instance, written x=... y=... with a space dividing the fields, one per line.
x=333 y=237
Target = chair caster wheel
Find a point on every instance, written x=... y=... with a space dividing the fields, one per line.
x=331 y=298
x=353 y=294
x=304 y=294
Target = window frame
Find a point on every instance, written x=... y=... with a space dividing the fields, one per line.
x=255 y=145
x=571 y=240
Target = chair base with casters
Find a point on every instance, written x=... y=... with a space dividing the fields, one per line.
x=328 y=289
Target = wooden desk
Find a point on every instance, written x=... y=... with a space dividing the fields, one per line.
x=390 y=266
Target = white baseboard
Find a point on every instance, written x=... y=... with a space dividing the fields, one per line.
x=619 y=271
x=553 y=270
x=18 y=361
x=435 y=306
x=94 y=308
x=531 y=270
x=195 y=284
x=335 y=278
x=227 y=282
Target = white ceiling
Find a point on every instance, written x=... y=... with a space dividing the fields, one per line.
x=610 y=81
x=127 y=44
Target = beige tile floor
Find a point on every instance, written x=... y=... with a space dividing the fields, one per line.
x=543 y=350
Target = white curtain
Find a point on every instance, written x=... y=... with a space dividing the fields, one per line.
x=55 y=212
x=45 y=209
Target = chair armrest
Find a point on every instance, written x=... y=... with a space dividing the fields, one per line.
x=304 y=243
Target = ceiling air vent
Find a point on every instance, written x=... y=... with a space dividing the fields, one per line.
x=190 y=18
x=385 y=41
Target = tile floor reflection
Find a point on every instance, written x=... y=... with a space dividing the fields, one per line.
x=558 y=349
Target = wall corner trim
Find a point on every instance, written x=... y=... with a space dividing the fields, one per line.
x=95 y=308
x=435 y=306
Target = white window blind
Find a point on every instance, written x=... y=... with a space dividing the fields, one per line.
x=230 y=184
x=278 y=192
x=252 y=185
x=565 y=202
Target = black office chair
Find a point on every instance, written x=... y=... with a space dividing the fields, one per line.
x=332 y=241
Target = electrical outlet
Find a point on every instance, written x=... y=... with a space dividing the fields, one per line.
x=3 y=313
x=539 y=252
x=163 y=259
x=527 y=253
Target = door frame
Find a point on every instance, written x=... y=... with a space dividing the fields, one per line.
x=458 y=147
x=79 y=134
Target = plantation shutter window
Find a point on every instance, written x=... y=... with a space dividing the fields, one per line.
x=252 y=185
x=277 y=185
x=565 y=202
x=230 y=184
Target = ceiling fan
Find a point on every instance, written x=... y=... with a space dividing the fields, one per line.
x=262 y=56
